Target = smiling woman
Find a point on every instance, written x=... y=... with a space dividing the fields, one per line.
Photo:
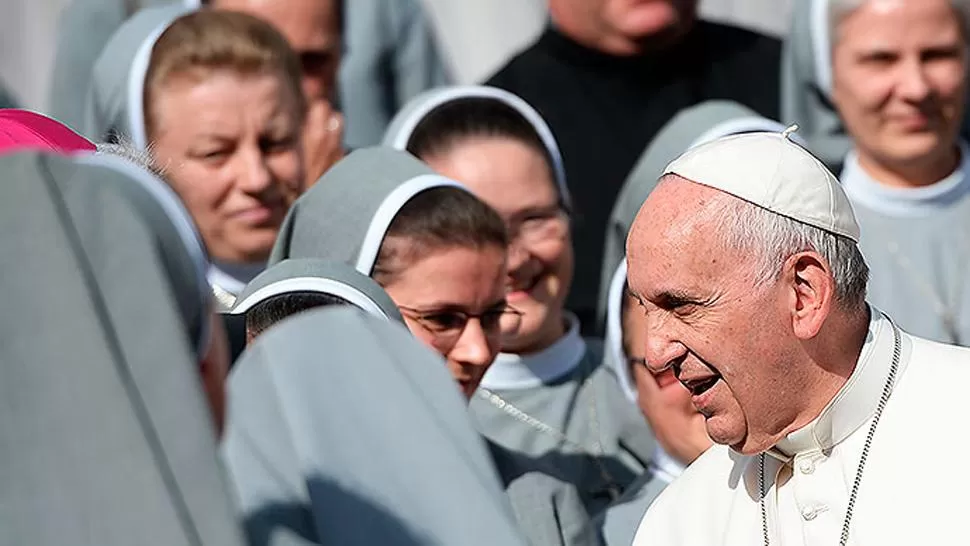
x=899 y=81
x=546 y=396
x=216 y=99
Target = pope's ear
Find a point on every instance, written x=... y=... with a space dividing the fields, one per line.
x=812 y=290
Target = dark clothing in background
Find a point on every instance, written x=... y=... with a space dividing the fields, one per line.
x=604 y=110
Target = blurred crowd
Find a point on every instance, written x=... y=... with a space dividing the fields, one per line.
x=253 y=245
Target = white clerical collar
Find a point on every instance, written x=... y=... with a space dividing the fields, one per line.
x=856 y=401
x=665 y=466
x=514 y=371
x=865 y=190
x=233 y=278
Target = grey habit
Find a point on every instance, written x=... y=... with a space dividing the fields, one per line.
x=390 y=55
x=347 y=430
x=107 y=439
x=314 y=275
x=345 y=215
x=83 y=30
x=696 y=125
x=114 y=105
x=575 y=426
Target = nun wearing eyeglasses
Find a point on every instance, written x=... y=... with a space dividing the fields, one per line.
x=663 y=401
x=547 y=395
x=439 y=253
x=109 y=424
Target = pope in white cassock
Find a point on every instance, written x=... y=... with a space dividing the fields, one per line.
x=745 y=262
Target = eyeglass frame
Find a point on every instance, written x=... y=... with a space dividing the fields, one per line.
x=422 y=317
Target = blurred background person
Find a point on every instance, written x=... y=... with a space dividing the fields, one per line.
x=218 y=95
x=546 y=395
x=899 y=82
x=607 y=74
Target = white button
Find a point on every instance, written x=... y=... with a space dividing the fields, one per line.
x=806 y=466
x=809 y=513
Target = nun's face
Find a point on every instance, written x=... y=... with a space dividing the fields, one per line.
x=899 y=82
x=230 y=146
x=515 y=180
x=453 y=300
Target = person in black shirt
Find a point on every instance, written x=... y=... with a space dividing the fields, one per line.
x=607 y=75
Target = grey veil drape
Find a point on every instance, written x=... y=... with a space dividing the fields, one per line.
x=107 y=439
x=345 y=215
x=314 y=275
x=114 y=105
x=346 y=430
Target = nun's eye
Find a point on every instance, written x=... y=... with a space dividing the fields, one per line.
x=443 y=322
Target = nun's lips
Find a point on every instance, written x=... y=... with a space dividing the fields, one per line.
x=519 y=291
x=260 y=214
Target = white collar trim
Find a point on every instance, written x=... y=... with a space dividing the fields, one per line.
x=856 y=401
x=867 y=191
x=513 y=371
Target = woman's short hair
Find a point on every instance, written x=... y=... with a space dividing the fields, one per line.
x=437 y=219
x=207 y=40
x=462 y=119
x=272 y=310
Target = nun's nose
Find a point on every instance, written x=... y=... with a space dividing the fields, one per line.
x=473 y=347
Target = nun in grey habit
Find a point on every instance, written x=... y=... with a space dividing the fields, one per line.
x=806 y=84
x=115 y=111
x=557 y=406
x=691 y=127
x=344 y=218
x=347 y=430
x=107 y=438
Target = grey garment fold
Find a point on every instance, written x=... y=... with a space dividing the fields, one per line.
x=107 y=436
x=390 y=55
x=346 y=430
x=344 y=216
x=313 y=275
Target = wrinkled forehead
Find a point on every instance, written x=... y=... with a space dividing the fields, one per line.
x=678 y=231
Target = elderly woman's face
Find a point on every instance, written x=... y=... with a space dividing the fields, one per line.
x=724 y=336
x=230 y=146
x=453 y=300
x=899 y=78
x=516 y=181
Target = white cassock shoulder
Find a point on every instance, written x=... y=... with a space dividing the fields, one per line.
x=696 y=508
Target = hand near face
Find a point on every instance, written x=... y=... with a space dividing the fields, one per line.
x=322 y=139
x=678 y=426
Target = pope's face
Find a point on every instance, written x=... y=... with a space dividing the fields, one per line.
x=727 y=337
x=899 y=80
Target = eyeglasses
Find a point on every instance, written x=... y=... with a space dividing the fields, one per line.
x=447 y=326
x=664 y=378
x=539 y=226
